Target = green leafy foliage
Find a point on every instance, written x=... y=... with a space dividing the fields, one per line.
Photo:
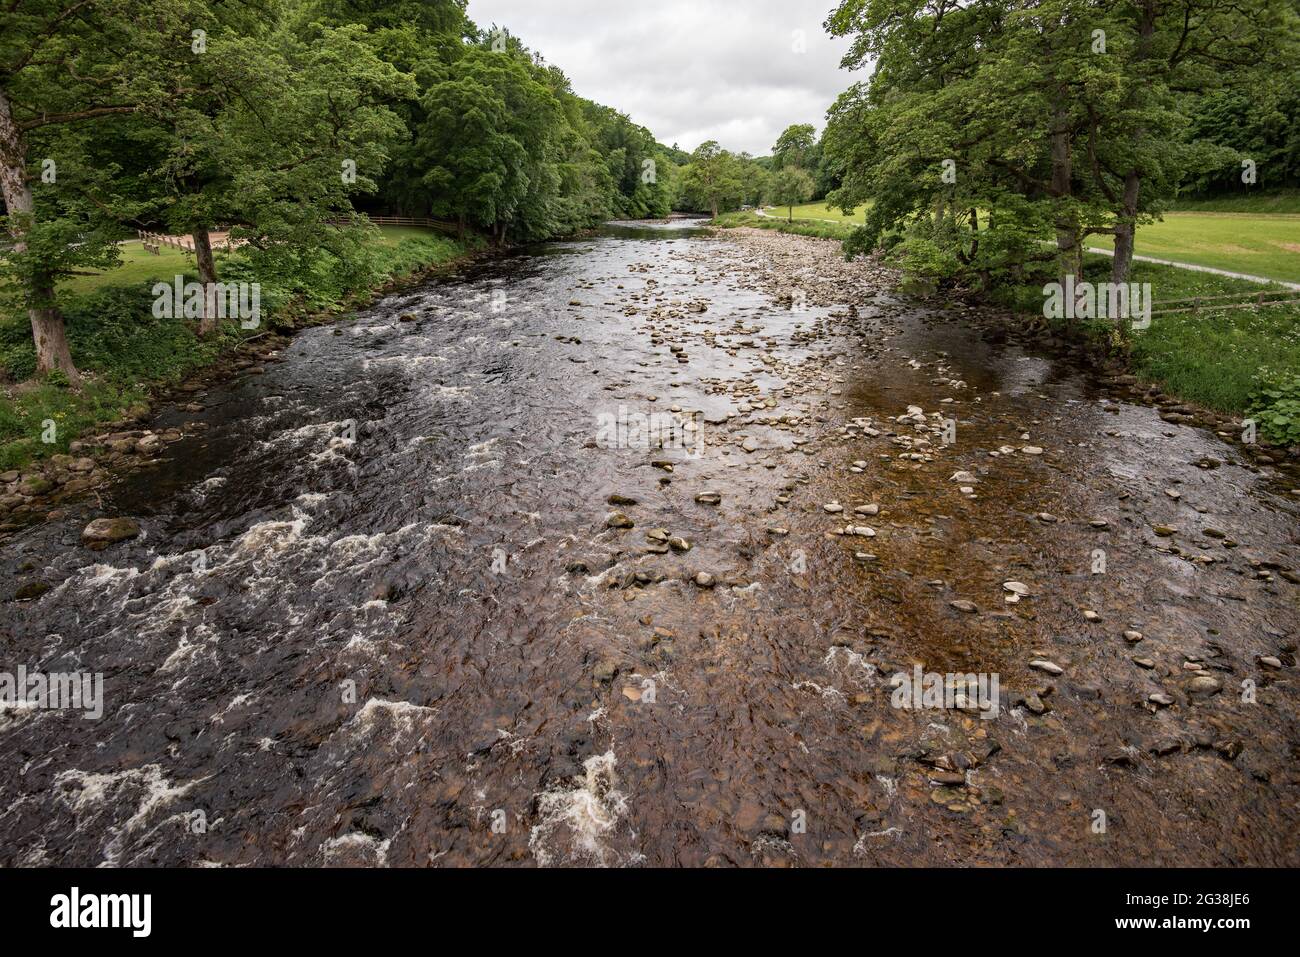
x=1275 y=405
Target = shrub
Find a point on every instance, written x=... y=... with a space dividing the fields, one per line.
x=1275 y=406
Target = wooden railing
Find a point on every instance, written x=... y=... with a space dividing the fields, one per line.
x=1252 y=300
x=424 y=221
x=153 y=241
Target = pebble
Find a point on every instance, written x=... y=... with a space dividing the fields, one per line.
x=1051 y=667
x=1205 y=685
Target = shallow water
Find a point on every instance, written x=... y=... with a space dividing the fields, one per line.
x=376 y=616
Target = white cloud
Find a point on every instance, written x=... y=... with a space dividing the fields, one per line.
x=689 y=70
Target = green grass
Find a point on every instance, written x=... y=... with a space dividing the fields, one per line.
x=818 y=211
x=1285 y=201
x=1259 y=244
x=800 y=227
x=395 y=235
x=125 y=353
x=138 y=267
x=1215 y=358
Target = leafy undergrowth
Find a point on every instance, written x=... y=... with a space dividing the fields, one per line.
x=125 y=353
x=1275 y=406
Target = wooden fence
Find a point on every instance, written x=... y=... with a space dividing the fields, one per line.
x=154 y=241
x=424 y=221
x=1236 y=300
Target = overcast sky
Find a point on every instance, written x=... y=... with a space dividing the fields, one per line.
x=689 y=70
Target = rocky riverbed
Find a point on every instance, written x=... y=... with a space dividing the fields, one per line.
x=623 y=551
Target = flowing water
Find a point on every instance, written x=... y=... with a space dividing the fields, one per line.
x=376 y=615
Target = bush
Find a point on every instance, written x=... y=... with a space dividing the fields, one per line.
x=1275 y=406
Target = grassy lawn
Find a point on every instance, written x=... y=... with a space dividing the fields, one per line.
x=1259 y=244
x=1255 y=235
x=393 y=235
x=140 y=268
x=800 y=227
x=819 y=211
x=1212 y=357
x=1285 y=201
x=1215 y=358
x=136 y=266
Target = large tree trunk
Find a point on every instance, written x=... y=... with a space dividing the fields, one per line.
x=1125 y=229
x=1069 y=250
x=715 y=207
x=209 y=321
x=48 y=333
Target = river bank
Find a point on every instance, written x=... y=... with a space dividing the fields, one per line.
x=406 y=600
x=55 y=458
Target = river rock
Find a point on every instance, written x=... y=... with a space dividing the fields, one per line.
x=103 y=532
x=31 y=590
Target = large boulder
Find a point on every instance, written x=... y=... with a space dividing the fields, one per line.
x=103 y=532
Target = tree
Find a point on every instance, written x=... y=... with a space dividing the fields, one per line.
x=791 y=186
x=1043 y=118
x=270 y=134
x=487 y=144
x=63 y=63
x=795 y=147
x=713 y=177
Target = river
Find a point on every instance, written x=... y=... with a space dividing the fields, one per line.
x=385 y=608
